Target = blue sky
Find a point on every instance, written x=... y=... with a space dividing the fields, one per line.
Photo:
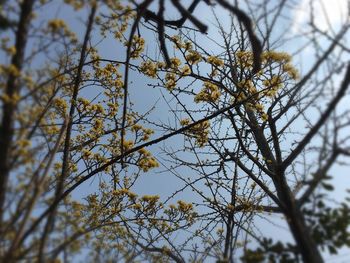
x=144 y=97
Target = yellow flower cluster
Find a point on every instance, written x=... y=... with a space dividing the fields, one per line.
x=98 y=126
x=112 y=108
x=185 y=70
x=99 y=158
x=151 y=200
x=24 y=143
x=149 y=68
x=76 y=4
x=170 y=83
x=253 y=104
x=146 y=161
x=185 y=122
x=140 y=130
x=86 y=106
x=109 y=75
x=259 y=108
x=137 y=46
x=11 y=50
x=56 y=25
x=60 y=104
x=57 y=75
x=272 y=85
x=291 y=71
x=10 y=99
x=247 y=205
x=128 y=144
x=179 y=44
x=84 y=103
x=117 y=21
x=269 y=79
x=176 y=40
x=215 y=61
x=184 y=207
x=146 y=134
x=248 y=86
x=264 y=116
x=199 y=131
x=161 y=65
x=136 y=127
x=209 y=93
x=22 y=150
x=282 y=57
x=86 y=154
x=10 y=70
x=244 y=58
x=175 y=62
x=193 y=57
x=124 y=192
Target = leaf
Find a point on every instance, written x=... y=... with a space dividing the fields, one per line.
x=328 y=187
x=332 y=250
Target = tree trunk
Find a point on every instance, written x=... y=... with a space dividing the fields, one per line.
x=8 y=109
x=302 y=236
x=296 y=221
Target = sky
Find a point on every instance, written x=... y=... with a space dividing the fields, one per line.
x=145 y=97
x=159 y=183
x=328 y=14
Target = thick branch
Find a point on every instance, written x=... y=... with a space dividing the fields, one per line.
x=9 y=108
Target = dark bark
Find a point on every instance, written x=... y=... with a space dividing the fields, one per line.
x=8 y=109
x=296 y=221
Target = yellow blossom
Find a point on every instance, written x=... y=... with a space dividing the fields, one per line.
x=185 y=70
x=209 y=93
x=23 y=143
x=276 y=56
x=56 y=24
x=183 y=206
x=193 y=57
x=10 y=99
x=264 y=117
x=149 y=68
x=10 y=70
x=137 y=46
x=215 y=61
x=177 y=41
x=291 y=71
x=11 y=50
x=244 y=58
x=86 y=153
x=273 y=85
x=161 y=65
x=170 y=83
x=98 y=125
x=175 y=62
x=150 y=198
x=148 y=163
x=199 y=131
x=185 y=122
x=128 y=144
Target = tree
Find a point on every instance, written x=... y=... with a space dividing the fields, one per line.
x=68 y=120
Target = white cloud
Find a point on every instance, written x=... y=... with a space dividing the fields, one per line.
x=328 y=14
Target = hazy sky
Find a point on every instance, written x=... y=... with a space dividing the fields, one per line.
x=145 y=97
